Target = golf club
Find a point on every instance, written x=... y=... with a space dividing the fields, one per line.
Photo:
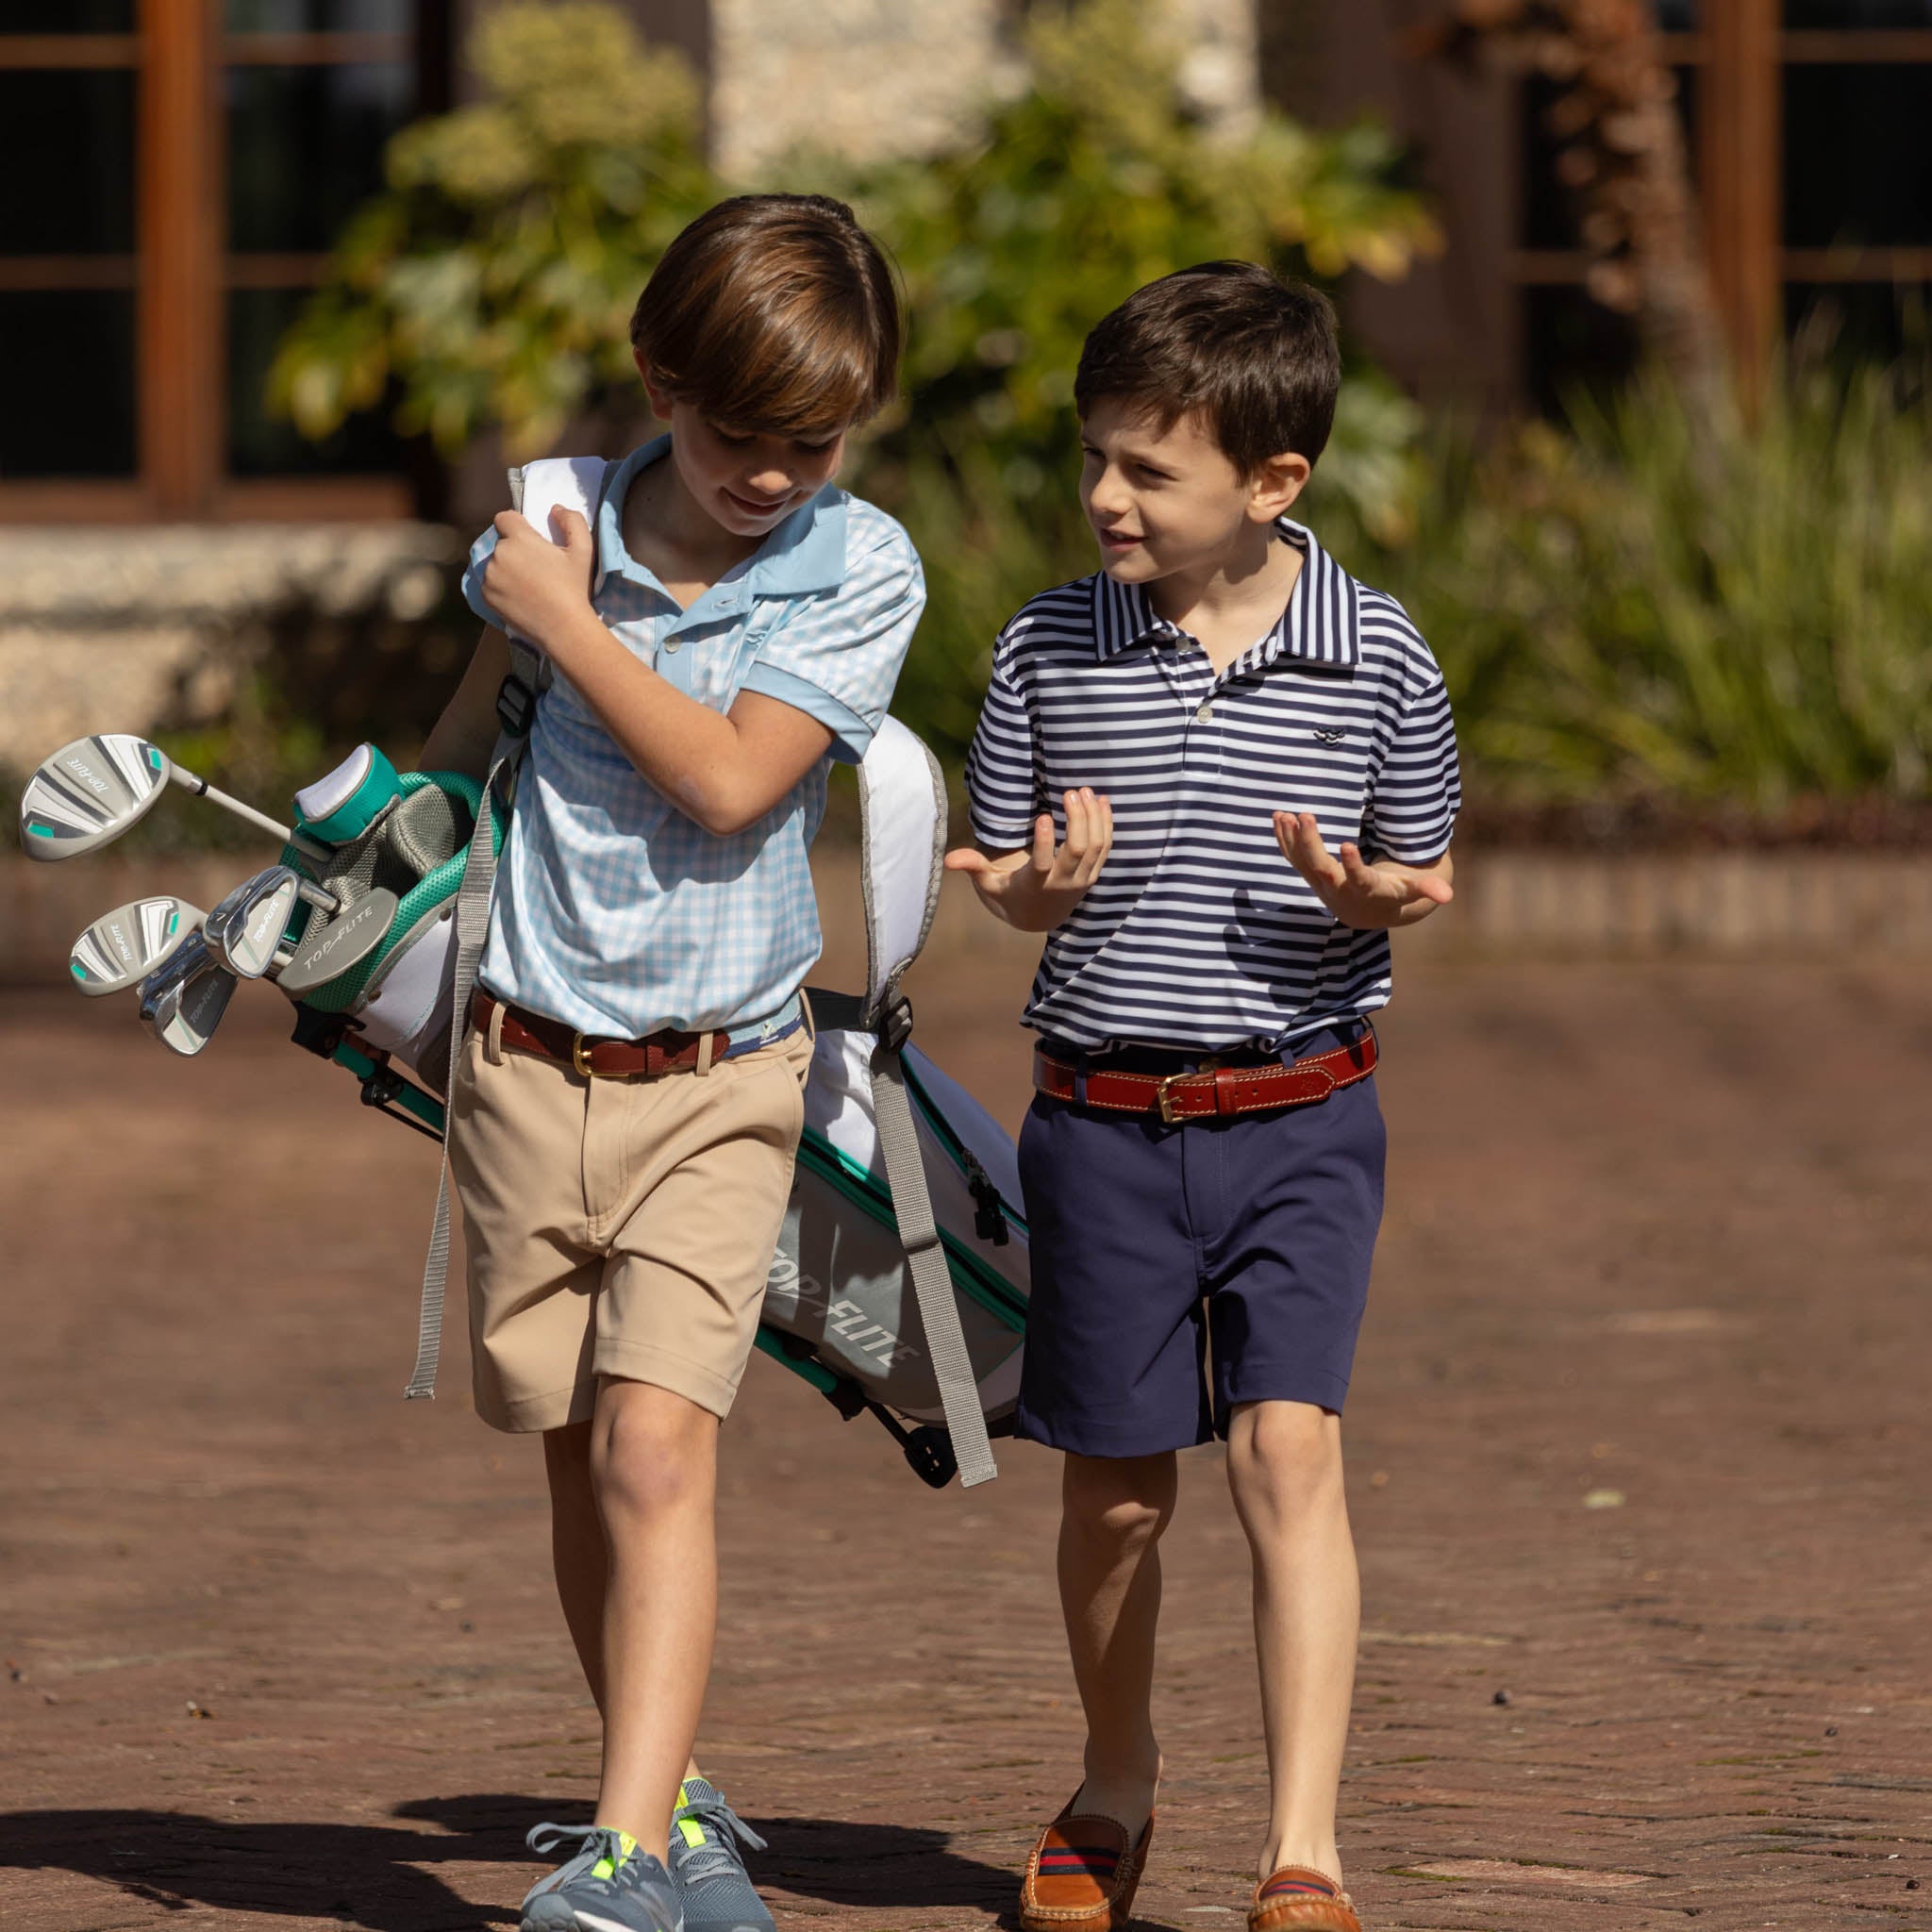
x=245 y=931
x=123 y=945
x=90 y=792
x=182 y=1000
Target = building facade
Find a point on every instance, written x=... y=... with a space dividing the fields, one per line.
x=179 y=169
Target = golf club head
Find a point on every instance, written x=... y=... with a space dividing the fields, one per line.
x=127 y=943
x=244 y=932
x=90 y=793
x=329 y=947
x=182 y=1000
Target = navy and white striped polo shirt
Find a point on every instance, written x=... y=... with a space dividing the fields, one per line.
x=1198 y=933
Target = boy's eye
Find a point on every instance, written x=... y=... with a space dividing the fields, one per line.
x=817 y=449
x=730 y=436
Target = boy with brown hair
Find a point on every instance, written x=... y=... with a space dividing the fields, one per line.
x=1214 y=774
x=629 y=1097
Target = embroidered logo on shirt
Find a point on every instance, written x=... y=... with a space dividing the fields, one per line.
x=1332 y=735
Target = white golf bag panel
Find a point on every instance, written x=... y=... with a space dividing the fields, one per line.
x=840 y=1281
x=902 y=1264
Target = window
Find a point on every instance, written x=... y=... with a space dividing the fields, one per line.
x=1810 y=130
x=178 y=171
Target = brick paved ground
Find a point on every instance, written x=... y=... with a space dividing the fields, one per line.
x=1638 y=1457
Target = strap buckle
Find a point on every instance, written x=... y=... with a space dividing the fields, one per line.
x=516 y=706
x=1165 y=1098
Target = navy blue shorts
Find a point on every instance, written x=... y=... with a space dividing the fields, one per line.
x=1180 y=1269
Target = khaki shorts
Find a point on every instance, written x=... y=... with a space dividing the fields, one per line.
x=619 y=1227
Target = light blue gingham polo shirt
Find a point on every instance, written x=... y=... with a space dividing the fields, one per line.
x=614 y=912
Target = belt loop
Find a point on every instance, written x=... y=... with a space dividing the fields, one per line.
x=1080 y=1082
x=706 y=1043
x=493 y=1040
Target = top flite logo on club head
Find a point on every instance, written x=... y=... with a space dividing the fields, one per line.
x=333 y=947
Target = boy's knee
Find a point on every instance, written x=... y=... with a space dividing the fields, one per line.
x=1285 y=1457
x=650 y=1452
x=1124 y=1503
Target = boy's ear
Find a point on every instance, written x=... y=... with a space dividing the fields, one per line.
x=1275 y=485
x=660 y=396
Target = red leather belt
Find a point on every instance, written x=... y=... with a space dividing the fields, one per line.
x=602 y=1060
x=1212 y=1092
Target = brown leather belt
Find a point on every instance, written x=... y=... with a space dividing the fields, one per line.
x=1213 y=1092
x=602 y=1060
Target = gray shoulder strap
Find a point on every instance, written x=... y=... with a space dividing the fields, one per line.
x=902 y=825
x=932 y=1275
x=576 y=483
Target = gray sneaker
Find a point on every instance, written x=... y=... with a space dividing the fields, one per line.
x=612 y=1885
x=713 y=1887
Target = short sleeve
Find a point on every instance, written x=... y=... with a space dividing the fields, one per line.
x=838 y=658
x=1000 y=789
x=1417 y=793
x=472 y=578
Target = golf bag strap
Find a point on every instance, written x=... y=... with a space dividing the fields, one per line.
x=516 y=711
x=472 y=928
x=932 y=1278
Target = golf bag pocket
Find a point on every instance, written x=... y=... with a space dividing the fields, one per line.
x=841 y=1283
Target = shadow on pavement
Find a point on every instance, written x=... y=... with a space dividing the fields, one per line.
x=367 y=1876
x=847 y=1864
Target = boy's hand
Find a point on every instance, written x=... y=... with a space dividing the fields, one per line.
x=1034 y=890
x=535 y=586
x=1356 y=892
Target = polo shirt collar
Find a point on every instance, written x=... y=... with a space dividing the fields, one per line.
x=1321 y=623
x=804 y=555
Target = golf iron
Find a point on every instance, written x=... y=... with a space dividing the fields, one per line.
x=90 y=792
x=182 y=1000
x=127 y=943
x=245 y=931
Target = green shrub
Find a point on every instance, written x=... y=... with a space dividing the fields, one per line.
x=491 y=284
x=1634 y=609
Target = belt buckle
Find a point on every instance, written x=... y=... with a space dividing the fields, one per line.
x=1165 y=1099
x=580 y=1060
x=1210 y=1064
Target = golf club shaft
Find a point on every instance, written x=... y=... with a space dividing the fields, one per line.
x=202 y=788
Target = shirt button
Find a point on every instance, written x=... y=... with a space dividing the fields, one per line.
x=672 y=644
x=1205 y=715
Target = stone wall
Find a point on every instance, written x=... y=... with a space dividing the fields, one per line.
x=874 y=79
x=130 y=629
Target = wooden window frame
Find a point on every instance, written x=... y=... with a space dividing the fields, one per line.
x=181 y=273
x=1739 y=53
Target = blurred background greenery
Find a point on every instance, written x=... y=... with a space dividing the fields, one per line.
x=1661 y=608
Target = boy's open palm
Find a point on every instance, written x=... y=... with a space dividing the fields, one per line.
x=1033 y=890
x=1356 y=892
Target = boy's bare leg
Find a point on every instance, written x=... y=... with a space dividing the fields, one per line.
x=1112 y=1513
x=577 y=1546
x=1284 y=1466
x=654 y=1470
x=578 y=1550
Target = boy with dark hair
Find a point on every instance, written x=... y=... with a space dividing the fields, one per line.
x=629 y=1098
x=1214 y=774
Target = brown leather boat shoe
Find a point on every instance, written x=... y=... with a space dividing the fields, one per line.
x=1297 y=1898
x=1082 y=1876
